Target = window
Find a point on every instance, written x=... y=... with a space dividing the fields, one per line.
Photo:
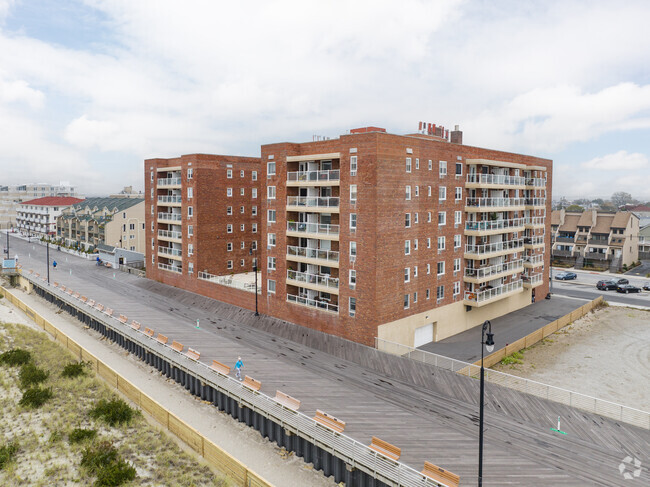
x=430 y=165
x=242 y=227
x=442 y=193
x=407 y=220
x=229 y=173
x=270 y=239
x=242 y=262
x=229 y=264
x=353 y=221
x=456 y=288
x=407 y=247
x=190 y=193
x=271 y=263
x=229 y=192
x=190 y=173
x=428 y=268
x=254 y=227
x=254 y=193
x=441 y=268
x=417 y=191
x=241 y=173
x=406 y=301
x=190 y=211
x=407 y=274
x=270 y=169
x=428 y=293
x=152 y=209
x=417 y=163
x=242 y=191
x=229 y=228
x=254 y=210
x=456 y=265
x=254 y=174
x=415 y=244
x=408 y=164
x=415 y=297
x=229 y=210
x=270 y=286
x=254 y=246
x=353 y=306
x=442 y=168
x=428 y=190
x=271 y=216
x=442 y=218
x=408 y=192
x=457 y=241
x=428 y=242
x=353 y=193
x=124 y=227
x=190 y=250
x=151 y=227
x=440 y=293
x=242 y=209
x=151 y=193
x=415 y=271
x=353 y=278
x=459 y=193
x=415 y=218
x=441 y=243
x=353 y=165
x=459 y=168
x=229 y=246
x=151 y=174
x=131 y=226
x=270 y=192
x=152 y=244
x=458 y=217
x=428 y=217
x=353 y=251
x=242 y=245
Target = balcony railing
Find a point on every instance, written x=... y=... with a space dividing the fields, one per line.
x=170 y=268
x=318 y=279
x=565 y=239
x=536 y=240
x=170 y=251
x=482 y=296
x=535 y=201
x=534 y=259
x=171 y=217
x=322 y=228
x=535 y=220
x=170 y=199
x=324 y=305
x=228 y=281
x=494 y=247
x=169 y=234
x=494 y=202
x=596 y=255
x=593 y=241
x=309 y=253
x=313 y=201
x=496 y=179
x=313 y=176
x=494 y=269
x=169 y=182
x=537 y=182
x=494 y=224
x=562 y=253
x=532 y=279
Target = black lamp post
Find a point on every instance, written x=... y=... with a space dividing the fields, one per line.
x=8 y=225
x=250 y=252
x=487 y=339
x=47 y=244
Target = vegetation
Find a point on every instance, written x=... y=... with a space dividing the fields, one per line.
x=514 y=358
x=7 y=453
x=15 y=357
x=79 y=435
x=31 y=375
x=114 y=412
x=35 y=397
x=74 y=369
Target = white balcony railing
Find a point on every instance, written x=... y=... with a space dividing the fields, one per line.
x=169 y=182
x=532 y=278
x=537 y=240
x=313 y=176
x=534 y=259
x=170 y=251
x=322 y=228
x=306 y=252
x=324 y=305
x=537 y=182
x=494 y=202
x=535 y=220
x=170 y=199
x=495 y=269
x=318 y=279
x=171 y=217
x=313 y=201
x=170 y=234
x=494 y=224
x=488 y=294
x=496 y=179
x=535 y=201
x=170 y=268
x=494 y=247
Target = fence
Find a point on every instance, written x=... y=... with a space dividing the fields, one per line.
x=577 y=400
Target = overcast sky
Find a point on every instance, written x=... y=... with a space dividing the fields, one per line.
x=90 y=88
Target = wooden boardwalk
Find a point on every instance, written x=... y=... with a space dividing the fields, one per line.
x=431 y=414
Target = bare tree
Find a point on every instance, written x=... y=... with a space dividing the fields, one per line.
x=621 y=198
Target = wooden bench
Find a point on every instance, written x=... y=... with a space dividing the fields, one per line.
x=441 y=475
x=91 y=302
x=70 y=291
x=31 y=271
x=287 y=401
x=220 y=368
x=37 y=275
x=193 y=354
x=56 y=284
x=108 y=311
x=83 y=299
x=99 y=307
x=123 y=319
x=385 y=448
x=62 y=287
x=135 y=325
x=148 y=332
x=329 y=421
x=76 y=295
x=252 y=384
x=162 y=338
x=177 y=346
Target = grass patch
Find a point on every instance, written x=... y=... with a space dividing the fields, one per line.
x=102 y=459
x=15 y=357
x=514 y=358
x=35 y=397
x=74 y=369
x=78 y=435
x=7 y=453
x=113 y=412
x=30 y=375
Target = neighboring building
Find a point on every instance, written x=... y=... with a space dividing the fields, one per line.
x=38 y=217
x=644 y=242
x=595 y=239
x=11 y=196
x=202 y=218
x=118 y=222
x=128 y=192
x=116 y=256
x=643 y=212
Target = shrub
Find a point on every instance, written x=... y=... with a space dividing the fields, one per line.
x=78 y=435
x=113 y=412
x=515 y=358
x=30 y=375
x=74 y=369
x=7 y=453
x=15 y=357
x=102 y=460
x=35 y=397
x=115 y=474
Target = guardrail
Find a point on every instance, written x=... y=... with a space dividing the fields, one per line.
x=228 y=281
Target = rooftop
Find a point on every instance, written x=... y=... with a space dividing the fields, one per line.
x=53 y=201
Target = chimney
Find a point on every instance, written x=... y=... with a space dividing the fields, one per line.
x=457 y=135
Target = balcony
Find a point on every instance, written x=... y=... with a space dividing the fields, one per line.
x=229 y=282
x=534 y=261
x=598 y=241
x=170 y=200
x=169 y=182
x=481 y=298
x=327 y=204
x=313 y=256
x=536 y=182
x=481 y=180
x=497 y=248
x=312 y=303
x=494 y=226
x=313 y=230
x=493 y=271
x=166 y=267
x=533 y=280
x=169 y=235
x=536 y=241
x=170 y=251
x=596 y=256
x=562 y=253
x=318 y=282
x=314 y=178
x=493 y=204
x=536 y=202
x=565 y=239
x=170 y=217
x=535 y=221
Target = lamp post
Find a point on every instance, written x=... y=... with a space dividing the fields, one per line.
x=47 y=244
x=250 y=252
x=8 y=225
x=487 y=339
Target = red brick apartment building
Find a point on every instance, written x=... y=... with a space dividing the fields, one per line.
x=202 y=219
x=407 y=238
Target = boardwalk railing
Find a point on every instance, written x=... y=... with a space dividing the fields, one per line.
x=577 y=400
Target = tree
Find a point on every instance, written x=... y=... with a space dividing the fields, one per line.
x=575 y=208
x=621 y=198
x=598 y=201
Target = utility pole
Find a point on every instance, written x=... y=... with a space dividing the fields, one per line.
x=47 y=243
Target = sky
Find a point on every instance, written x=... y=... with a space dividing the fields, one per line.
x=91 y=88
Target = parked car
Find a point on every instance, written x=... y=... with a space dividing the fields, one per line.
x=621 y=281
x=627 y=288
x=565 y=276
x=646 y=286
x=607 y=285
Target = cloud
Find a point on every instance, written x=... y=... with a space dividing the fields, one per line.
x=20 y=91
x=620 y=161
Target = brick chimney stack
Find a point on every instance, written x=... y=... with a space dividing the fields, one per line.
x=457 y=136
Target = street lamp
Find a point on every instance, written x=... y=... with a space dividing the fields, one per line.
x=250 y=252
x=487 y=339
